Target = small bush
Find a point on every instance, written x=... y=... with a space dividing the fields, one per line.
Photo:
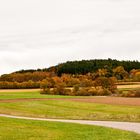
x=137 y=93
x=76 y=88
x=83 y=92
x=132 y=93
x=45 y=91
x=103 y=92
x=68 y=92
x=93 y=91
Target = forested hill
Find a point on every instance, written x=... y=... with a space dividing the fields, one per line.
x=85 y=66
x=97 y=67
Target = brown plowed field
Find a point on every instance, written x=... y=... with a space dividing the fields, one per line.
x=111 y=100
x=101 y=100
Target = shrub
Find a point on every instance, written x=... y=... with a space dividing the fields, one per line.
x=76 y=88
x=93 y=91
x=132 y=93
x=83 y=92
x=45 y=91
x=106 y=83
x=104 y=92
x=68 y=92
x=137 y=93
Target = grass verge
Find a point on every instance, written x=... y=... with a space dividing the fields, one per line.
x=16 y=129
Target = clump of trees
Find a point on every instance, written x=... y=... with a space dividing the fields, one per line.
x=23 y=80
x=78 y=85
x=16 y=85
x=24 y=77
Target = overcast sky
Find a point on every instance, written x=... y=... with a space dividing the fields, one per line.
x=42 y=33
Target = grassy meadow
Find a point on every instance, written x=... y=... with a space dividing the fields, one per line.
x=16 y=103
x=27 y=95
x=66 y=109
x=16 y=129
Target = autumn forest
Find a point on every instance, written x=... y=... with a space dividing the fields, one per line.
x=86 y=77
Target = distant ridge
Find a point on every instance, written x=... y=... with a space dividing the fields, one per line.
x=85 y=66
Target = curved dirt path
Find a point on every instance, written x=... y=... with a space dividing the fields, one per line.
x=135 y=127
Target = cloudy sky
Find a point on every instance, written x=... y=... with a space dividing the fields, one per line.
x=42 y=33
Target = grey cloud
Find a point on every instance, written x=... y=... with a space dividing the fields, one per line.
x=49 y=32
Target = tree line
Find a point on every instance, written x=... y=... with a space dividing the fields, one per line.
x=85 y=66
x=73 y=71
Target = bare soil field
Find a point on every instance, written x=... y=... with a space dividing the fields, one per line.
x=102 y=100
x=111 y=100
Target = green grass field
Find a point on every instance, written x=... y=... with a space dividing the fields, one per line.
x=16 y=129
x=66 y=109
x=27 y=95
